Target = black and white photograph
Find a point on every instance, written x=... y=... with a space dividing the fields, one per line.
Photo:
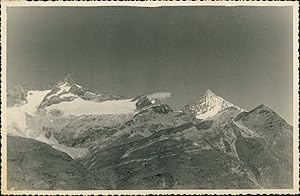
x=149 y=97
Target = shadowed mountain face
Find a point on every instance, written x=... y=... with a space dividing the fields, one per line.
x=33 y=165
x=272 y=154
x=141 y=143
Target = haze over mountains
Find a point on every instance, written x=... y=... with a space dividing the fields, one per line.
x=68 y=137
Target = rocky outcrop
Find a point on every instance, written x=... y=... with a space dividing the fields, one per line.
x=16 y=95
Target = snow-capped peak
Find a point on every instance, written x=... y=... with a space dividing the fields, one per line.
x=208 y=105
x=209 y=95
x=68 y=79
x=61 y=90
x=208 y=92
x=67 y=82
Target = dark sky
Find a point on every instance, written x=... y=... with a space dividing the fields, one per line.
x=243 y=54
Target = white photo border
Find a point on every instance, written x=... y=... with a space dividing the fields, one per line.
x=15 y=3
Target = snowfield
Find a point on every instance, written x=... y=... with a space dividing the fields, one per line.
x=16 y=116
x=17 y=124
x=78 y=107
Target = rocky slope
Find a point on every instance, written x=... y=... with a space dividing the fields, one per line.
x=271 y=154
x=34 y=165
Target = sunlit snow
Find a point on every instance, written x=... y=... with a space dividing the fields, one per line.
x=16 y=115
x=67 y=95
x=79 y=107
x=17 y=125
x=210 y=105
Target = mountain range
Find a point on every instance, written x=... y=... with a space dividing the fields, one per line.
x=68 y=137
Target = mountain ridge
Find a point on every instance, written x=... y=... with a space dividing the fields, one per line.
x=142 y=143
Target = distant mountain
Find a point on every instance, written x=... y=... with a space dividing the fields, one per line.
x=68 y=90
x=208 y=105
x=142 y=143
x=80 y=116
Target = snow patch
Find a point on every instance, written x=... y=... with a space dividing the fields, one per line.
x=67 y=95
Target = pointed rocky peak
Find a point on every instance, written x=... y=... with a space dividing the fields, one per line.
x=68 y=81
x=209 y=96
x=69 y=78
x=145 y=104
x=209 y=93
x=208 y=105
x=64 y=90
x=68 y=86
x=142 y=101
x=67 y=90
